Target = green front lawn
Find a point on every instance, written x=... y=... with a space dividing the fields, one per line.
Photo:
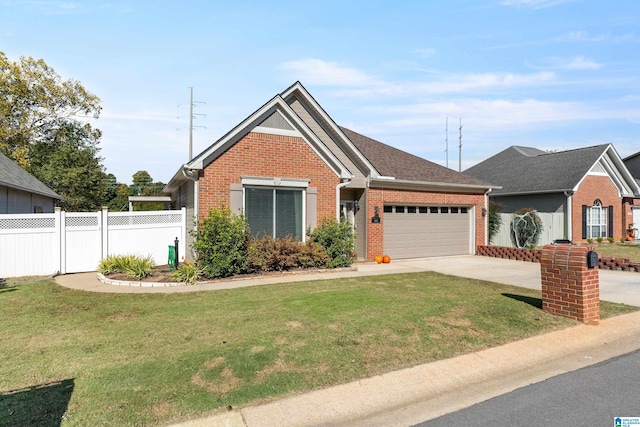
x=619 y=250
x=123 y=359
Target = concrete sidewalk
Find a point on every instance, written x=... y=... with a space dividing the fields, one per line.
x=615 y=286
x=410 y=396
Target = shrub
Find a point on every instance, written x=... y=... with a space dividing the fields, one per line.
x=188 y=272
x=338 y=240
x=623 y=239
x=589 y=241
x=313 y=255
x=269 y=254
x=133 y=265
x=495 y=221
x=599 y=239
x=611 y=239
x=221 y=244
x=526 y=227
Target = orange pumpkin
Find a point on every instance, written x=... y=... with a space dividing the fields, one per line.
x=377 y=259
x=386 y=259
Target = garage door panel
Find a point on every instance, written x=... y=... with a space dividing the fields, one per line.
x=426 y=231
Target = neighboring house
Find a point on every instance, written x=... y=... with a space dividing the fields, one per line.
x=289 y=165
x=21 y=192
x=633 y=164
x=590 y=187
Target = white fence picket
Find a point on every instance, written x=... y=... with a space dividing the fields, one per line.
x=68 y=242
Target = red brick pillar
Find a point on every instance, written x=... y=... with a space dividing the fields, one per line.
x=569 y=287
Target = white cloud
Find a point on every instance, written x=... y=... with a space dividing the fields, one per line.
x=533 y=4
x=426 y=53
x=581 y=63
x=503 y=114
x=351 y=82
x=584 y=36
x=573 y=63
x=319 y=72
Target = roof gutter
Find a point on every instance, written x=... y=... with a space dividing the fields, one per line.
x=405 y=183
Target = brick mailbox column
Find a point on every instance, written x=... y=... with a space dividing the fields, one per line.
x=569 y=287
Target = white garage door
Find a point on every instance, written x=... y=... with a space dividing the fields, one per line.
x=425 y=231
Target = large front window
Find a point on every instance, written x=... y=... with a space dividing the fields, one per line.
x=596 y=220
x=274 y=212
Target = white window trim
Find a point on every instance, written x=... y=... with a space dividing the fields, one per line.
x=602 y=213
x=278 y=187
x=274 y=182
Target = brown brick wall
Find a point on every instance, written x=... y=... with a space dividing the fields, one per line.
x=569 y=288
x=269 y=156
x=592 y=188
x=379 y=197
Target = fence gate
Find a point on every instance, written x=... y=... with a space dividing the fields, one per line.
x=82 y=241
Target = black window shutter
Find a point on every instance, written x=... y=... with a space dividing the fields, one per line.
x=584 y=221
x=610 y=222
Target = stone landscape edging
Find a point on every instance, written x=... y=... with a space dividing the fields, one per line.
x=533 y=255
x=143 y=284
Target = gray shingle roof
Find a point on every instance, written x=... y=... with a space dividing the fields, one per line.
x=390 y=161
x=12 y=175
x=529 y=170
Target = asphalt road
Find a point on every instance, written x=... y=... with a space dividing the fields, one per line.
x=592 y=396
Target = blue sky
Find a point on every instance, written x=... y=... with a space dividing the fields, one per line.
x=552 y=74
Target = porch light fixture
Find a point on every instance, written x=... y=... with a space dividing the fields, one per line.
x=356 y=205
x=484 y=212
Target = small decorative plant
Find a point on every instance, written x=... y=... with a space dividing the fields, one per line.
x=590 y=241
x=623 y=239
x=188 y=272
x=611 y=239
x=599 y=239
x=134 y=266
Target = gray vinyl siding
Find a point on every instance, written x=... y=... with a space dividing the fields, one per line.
x=552 y=202
x=184 y=199
x=359 y=180
x=276 y=121
x=13 y=201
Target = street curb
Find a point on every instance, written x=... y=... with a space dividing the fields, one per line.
x=530 y=360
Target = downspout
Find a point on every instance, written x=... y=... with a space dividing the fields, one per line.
x=487 y=242
x=188 y=173
x=338 y=187
x=569 y=221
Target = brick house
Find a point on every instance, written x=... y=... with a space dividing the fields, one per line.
x=632 y=163
x=289 y=165
x=590 y=186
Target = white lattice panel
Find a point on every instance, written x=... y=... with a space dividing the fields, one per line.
x=27 y=223
x=149 y=219
x=81 y=221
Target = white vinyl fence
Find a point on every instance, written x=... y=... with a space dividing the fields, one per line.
x=74 y=242
x=552 y=229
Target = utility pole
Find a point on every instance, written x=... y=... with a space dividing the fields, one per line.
x=446 y=138
x=460 y=148
x=190 y=123
x=191 y=117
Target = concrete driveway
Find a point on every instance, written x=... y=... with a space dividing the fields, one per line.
x=615 y=286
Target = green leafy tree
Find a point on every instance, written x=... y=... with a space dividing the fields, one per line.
x=143 y=185
x=121 y=201
x=43 y=128
x=70 y=167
